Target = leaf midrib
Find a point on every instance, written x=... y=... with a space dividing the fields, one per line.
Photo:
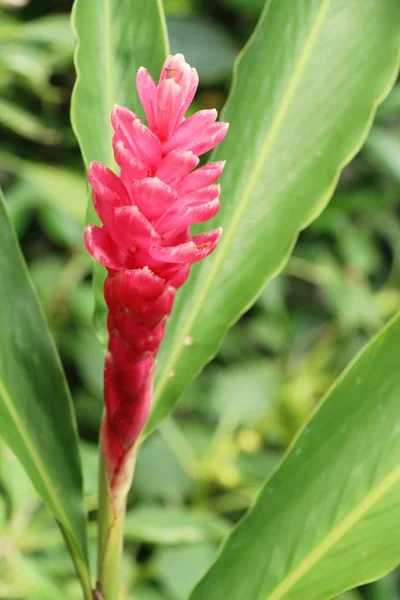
x=335 y=535
x=228 y=238
x=64 y=519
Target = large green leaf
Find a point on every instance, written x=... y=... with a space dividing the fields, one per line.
x=36 y=414
x=329 y=518
x=304 y=94
x=114 y=39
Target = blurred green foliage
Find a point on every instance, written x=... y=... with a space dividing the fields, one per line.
x=201 y=470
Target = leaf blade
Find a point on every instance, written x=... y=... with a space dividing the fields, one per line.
x=328 y=542
x=43 y=438
x=260 y=229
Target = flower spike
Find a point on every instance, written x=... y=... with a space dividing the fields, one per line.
x=145 y=241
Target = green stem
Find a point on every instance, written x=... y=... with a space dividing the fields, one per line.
x=110 y=540
x=111 y=518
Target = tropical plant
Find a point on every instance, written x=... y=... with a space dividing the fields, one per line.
x=304 y=94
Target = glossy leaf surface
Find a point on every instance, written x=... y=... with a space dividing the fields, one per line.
x=304 y=94
x=329 y=518
x=36 y=413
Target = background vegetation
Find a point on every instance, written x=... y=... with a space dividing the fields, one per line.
x=203 y=467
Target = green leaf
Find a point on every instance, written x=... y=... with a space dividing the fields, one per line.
x=383 y=150
x=252 y=378
x=179 y=567
x=25 y=124
x=177 y=7
x=14 y=480
x=329 y=518
x=390 y=108
x=25 y=64
x=114 y=39
x=52 y=29
x=159 y=475
x=145 y=592
x=31 y=582
x=352 y=595
x=157 y=525
x=251 y=6
x=60 y=196
x=61 y=188
x=205 y=45
x=36 y=413
x=384 y=589
x=305 y=90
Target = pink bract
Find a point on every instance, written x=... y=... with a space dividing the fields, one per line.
x=145 y=242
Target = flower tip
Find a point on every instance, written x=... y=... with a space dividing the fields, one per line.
x=174 y=67
x=92 y=168
x=220 y=166
x=116 y=109
x=223 y=131
x=89 y=237
x=120 y=115
x=95 y=171
x=194 y=78
x=174 y=60
x=87 y=234
x=142 y=71
x=115 y=112
x=214 y=236
x=144 y=80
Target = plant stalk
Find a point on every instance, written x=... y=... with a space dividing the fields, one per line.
x=111 y=518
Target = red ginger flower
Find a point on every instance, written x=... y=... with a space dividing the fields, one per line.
x=145 y=242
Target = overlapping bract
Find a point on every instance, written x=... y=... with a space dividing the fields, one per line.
x=145 y=242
